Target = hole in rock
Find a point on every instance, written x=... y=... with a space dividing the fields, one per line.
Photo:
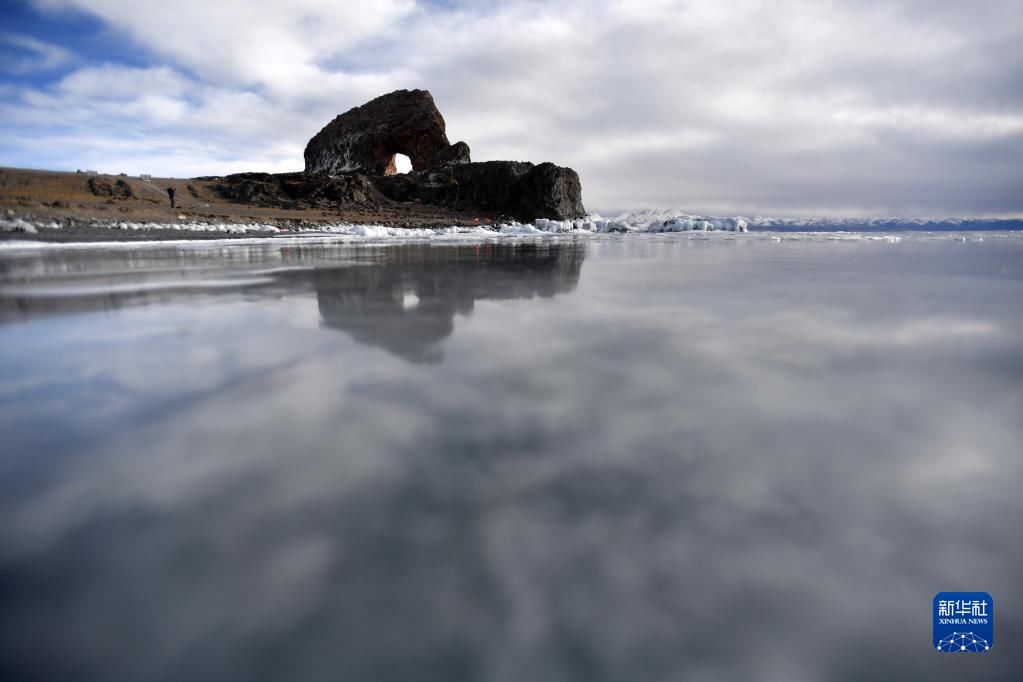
x=402 y=164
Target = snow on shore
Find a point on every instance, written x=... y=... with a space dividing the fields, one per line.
x=17 y=225
x=593 y=224
x=637 y=223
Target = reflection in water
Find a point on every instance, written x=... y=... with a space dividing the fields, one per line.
x=699 y=460
x=403 y=299
x=408 y=303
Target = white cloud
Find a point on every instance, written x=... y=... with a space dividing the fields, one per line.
x=245 y=43
x=31 y=55
x=111 y=82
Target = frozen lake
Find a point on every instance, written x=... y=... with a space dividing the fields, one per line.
x=621 y=458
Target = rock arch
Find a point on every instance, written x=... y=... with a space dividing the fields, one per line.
x=366 y=138
x=360 y=144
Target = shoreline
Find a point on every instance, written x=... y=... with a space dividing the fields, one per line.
x=113 y=233
x=43 y=206
x=87 y=206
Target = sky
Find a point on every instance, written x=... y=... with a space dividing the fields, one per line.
x=749 y=107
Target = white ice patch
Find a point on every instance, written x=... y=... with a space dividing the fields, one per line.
x=226 y=228
x=685 y=223
x=17 y=225
x=671 y=220
x=645 y=223
x=590 y=224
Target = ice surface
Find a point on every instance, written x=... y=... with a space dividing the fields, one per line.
x=437 y=484
x=651 y=223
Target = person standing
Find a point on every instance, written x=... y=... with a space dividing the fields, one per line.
x=170 y=193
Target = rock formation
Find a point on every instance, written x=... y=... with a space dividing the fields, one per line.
x=450 y=156
x=296 y=190
x=364 y=141
x=513 y=188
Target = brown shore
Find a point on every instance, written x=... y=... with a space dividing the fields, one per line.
x=85 y=211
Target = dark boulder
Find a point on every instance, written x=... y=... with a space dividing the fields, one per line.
x=517 y=189
x=521 y=190
x=451 y=156
x=492 y=186
x=103 y=187
x=549 y=191
x=256 y=189
x=297 y=190
x=366 y=138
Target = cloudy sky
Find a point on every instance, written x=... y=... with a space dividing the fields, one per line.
x=783 y=107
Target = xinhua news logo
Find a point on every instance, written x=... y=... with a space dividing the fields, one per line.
x=964 y=622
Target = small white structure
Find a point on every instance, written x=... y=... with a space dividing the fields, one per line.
x=92 y=173
x=145 y=177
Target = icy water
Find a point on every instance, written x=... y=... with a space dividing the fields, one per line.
x=628 y=458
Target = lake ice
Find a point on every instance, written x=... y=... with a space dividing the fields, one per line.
x=660 y=456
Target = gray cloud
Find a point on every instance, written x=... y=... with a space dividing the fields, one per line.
x=844 y=107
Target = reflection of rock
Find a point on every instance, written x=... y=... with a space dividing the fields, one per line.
x=408 y=304
x=404 y=303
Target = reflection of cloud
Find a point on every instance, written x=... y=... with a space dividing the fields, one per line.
x=828 y=329
x=597 y=479
x=923 y=331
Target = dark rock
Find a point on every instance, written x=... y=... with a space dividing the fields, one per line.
x=102 y=187
x=491 y=185
x=398 y=187
x=550 y=191
x=296 y=190
x=451 y=155
x=514 y=188
x=257 y=189
x=366 y=138
x=351 y=161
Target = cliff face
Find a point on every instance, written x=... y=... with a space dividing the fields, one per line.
x=364 y=140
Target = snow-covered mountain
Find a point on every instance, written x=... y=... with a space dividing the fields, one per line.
x=643 y=218
x=885 y=224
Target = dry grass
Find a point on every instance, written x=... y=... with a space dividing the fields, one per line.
x=52 y=195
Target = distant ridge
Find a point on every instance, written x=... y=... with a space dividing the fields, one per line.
x=885 y=224
x=823 y=224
